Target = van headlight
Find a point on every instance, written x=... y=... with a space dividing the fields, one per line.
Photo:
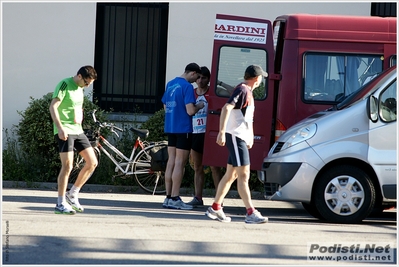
x=301 y=135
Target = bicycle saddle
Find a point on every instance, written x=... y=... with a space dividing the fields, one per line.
x=142 y=133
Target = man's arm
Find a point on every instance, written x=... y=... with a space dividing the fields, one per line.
x=224 y=116
x=55 y=103
x=192 y=109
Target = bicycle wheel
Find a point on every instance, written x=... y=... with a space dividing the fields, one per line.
x=79 y=163
x=150 y=181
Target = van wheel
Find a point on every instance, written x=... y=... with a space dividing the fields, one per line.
x=312 y=210
x=344 y=194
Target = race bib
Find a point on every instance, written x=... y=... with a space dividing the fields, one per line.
x=199 y=123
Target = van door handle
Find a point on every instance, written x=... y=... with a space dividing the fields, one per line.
x=214 y=112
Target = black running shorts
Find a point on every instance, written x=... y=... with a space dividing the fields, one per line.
x=198 y=143
x=180 y=141
x=238 y=151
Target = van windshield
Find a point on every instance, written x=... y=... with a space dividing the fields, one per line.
x=366 y=89
x=330 y=77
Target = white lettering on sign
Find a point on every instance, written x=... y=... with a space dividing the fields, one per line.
x=240 y=31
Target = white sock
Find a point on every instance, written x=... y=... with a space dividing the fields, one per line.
x=74 y=191
x=60 y=200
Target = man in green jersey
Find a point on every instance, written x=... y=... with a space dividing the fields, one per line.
x=66 y=111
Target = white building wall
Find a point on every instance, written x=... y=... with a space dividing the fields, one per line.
x=43 y=43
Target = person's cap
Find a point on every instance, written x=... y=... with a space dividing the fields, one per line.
x=193 y=67
x=255 y=71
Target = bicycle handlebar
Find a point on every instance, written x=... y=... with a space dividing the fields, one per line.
x=106 y=125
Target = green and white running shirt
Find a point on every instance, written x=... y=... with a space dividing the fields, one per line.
x=71 y=108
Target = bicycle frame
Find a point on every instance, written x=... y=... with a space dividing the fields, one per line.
x=128 y=161
x=139 y=164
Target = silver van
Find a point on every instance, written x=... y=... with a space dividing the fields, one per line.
x=340 y=163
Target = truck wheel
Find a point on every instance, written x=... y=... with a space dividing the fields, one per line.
x=344 y=194
x=312 y=210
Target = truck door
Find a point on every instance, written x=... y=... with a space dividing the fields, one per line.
x=238 y=43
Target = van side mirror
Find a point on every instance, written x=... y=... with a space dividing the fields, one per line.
x=372 y=108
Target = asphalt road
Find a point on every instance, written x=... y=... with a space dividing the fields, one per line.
x=134 y=229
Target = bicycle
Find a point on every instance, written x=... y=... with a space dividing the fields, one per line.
x=149 y=175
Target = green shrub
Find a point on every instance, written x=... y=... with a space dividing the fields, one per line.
x=155 y=124
x=15 y=163
x=34 y=146
x=36 y=139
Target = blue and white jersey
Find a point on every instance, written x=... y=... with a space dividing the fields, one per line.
x=199 y=119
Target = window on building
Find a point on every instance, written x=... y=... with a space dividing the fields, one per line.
x=130 y=56
x=383 y=9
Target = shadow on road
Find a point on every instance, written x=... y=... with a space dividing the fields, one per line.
x=292 y=214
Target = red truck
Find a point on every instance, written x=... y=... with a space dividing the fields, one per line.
x=313 y=61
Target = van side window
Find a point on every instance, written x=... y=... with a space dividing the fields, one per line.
x=232 y=64
x=330 y=77
x=387 y=103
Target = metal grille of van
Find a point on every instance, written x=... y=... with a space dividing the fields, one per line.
x=278 y=147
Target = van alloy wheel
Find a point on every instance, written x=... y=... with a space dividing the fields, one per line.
x=344 y=194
